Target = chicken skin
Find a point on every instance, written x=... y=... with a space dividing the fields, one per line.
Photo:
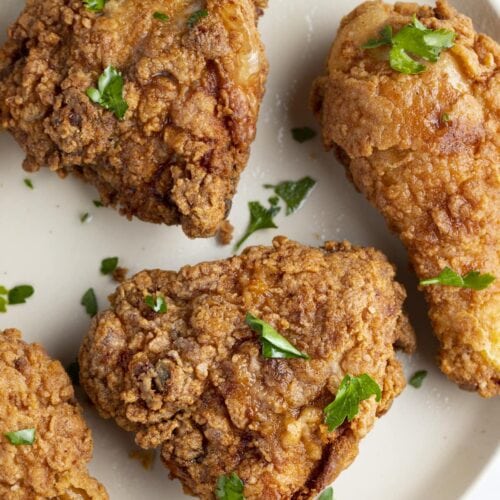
x=425 y=150
x=36 y=393
x=193 y=79
x=194 y=382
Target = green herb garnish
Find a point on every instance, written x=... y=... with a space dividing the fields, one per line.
x=326 y=494
x=473 y=279
x=414 y=39
x=351 y=392
x=417 y=378
x=86 y=217
x=229 y=487
x=161 y=16
x=445 y=118
x=3 y=304
x=24 y=436
x=89 y=301
x=274 y=345
x=157 y=303
x=109 y=93
x=260 y=218
x=98 y=203
x=109 y=265
x=19 y=294
x=94 y=5
x=303 y=134
x=196 y=17
x=28 y=183
x=73 y=371
x=293 y=193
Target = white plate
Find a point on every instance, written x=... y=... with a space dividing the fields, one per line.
x=433 y=444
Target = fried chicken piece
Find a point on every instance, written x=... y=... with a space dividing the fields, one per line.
x=193 y=380
x=193 y=95
x=425 y=150
x=35 y=392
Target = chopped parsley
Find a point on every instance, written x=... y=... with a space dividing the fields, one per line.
x=161 y=16
x=303 y=134
x=73 y=371
x=415 y=39
x=445 y=118
x=28 y=183
x=229 y=487
x=19 y=294
x=109 y=93
x=98 y=203
x=86 y=217
x=274 y=345
x=293 y=193
x=351 y=392
x=24 y=436
x=326 y=494
x=157 y=303
x=89 y=301
x=473 y=279
x=417 y=378
x=94 y=5
x=196 y=17
x=109 y=265
x=260 y=218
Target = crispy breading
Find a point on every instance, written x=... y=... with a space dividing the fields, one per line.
x=194 y=382
x=193 y=95
x=425 y=150
x=35 y=392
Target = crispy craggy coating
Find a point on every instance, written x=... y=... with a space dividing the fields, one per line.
x=35 y=392
x=436 y=181
x=193 y=380
x=193 y=95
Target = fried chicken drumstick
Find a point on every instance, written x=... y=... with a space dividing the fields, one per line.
x=193 y=380
x=193 y=77
x=425 y=150
x=36 y=393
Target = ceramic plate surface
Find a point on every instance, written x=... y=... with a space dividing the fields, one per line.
x=436 y=443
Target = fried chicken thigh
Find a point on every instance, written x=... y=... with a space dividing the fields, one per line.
x=193 y=380
x=425 y=150
x=193 y=87
x=36 y=393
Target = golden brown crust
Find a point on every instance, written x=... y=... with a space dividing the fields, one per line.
x=193 y=96
x=193 y=381
x=437 y=183
x=35 y=392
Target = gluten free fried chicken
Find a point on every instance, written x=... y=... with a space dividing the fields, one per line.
x=36 y=393
x=194 y=382
x=194 y=77
x=425 y=150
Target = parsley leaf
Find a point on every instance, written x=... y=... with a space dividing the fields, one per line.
x=303 y=134
x=157 y=303
x=24 y=436
x=196 y=17
x=89 y=301
x=351 y=392
x=327 y=494
x=161 y=16
x=94 y=5
x=415 y=39
x=86 y=217
x=229 y=487
x=3 y=304
x=19 y=294
x=274 y=345
x=109 y=93
x=417 y=378
x=73 y=371
x=260 y=218
x=293 y=193
x=473 y=279
x=98 y=203
x=109 y=265
x=28 y=183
